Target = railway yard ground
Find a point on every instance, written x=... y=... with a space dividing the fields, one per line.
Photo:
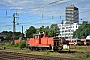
x=75 y=53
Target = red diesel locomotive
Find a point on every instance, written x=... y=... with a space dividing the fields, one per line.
x=41 y=42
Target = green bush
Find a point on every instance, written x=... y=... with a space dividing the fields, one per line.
x=16 y=45
x=22 y=44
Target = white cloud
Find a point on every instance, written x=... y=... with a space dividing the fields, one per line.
x=35 y=5
x=45 y=7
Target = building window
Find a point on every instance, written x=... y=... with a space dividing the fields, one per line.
x=76 y=26
x=62 y=27
x=59 y=25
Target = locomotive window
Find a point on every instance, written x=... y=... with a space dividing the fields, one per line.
x=54 y=43
x=41 y=35
x=78 y=40
x=87 y=40
x=36 y=36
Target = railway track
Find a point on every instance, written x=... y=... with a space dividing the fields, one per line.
x=20 y=56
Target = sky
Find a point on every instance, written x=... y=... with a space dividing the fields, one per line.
x=38 y=13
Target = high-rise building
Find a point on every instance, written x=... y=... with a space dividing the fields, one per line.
x=72 y=14
x=71 y=23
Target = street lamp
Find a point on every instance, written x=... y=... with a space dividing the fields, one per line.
x=22 y=30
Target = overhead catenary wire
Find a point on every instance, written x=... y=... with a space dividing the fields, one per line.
x=42 y=7
x=50 y=4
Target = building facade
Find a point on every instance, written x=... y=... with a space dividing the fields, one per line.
x=66 y=30
x=72 y=14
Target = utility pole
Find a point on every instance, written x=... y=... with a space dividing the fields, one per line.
x=22 y=33
x=14 y=18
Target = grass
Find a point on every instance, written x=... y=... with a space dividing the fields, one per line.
x=46 y=53
x=83 y=56
x=77 y=54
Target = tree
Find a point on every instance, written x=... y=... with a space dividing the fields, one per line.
x=83 y=30
x=42 y=29
x=50 y=33
x=47 y=31
x=1 y=38
x=30 y=32
x=9 y=35
x=54 y=29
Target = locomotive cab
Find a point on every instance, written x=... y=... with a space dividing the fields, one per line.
x=58 y=44
x=38 y=37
